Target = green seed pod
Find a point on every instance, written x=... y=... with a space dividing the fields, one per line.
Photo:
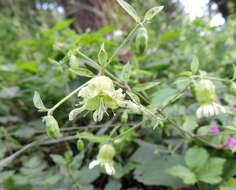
x=106 y=153
x=141 y=42
x=233 y=88
x=52 y=128
x=80 y=145
x=205 y=91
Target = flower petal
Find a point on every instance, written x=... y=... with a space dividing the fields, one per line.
x=93 y=164
x=109 y=169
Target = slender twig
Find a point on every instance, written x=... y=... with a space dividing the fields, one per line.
x=211 y=78
x=10 y=158
x=50 y=111
x=130 y=129
x=130 y=35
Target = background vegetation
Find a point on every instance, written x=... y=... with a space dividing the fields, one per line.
x=36 y=41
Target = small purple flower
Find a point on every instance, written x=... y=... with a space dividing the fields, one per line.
x=231 y=142
x=62 y=172
x=214 y=130
x=231 y=105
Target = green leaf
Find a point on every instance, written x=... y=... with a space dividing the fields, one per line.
x=87 y=176
x=38 y=103
x=102 y=56
x=195 y=65
x=58 y=159
x=185 y=73
x=164 y=96
x=81 y=71
x=184 y=173
x=91 y=137
x=152 y=13
x=129 y=9
x=154 y=168
x=212 y=171
x=190 y=123
x=145 y=86
x=196 y=157
x=133 y=97
x=234 y=75
x=113 y=184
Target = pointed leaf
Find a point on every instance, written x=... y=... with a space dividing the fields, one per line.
x=91 y=137
x=102 y=56
x=81 y=71
x=195 y=65
x=152 y=13
x=129 y=9
x=38 y=103
x=145 y=86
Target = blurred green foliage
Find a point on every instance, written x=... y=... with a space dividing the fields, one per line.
x=38 y=59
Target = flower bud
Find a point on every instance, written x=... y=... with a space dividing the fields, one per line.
x=205 y=91
x=233 y=88
x=141 y=42
x=106 y=153
x=52 y=128
x=80 y=145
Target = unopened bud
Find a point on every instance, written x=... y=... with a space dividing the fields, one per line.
x=80 y=145
x=141 y=42
x=205 y=91
x=52 y=128
x=106 y=153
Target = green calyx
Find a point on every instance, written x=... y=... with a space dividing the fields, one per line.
x=52 y=127
x=205 y=91
x=141 y=42
x=106 y=153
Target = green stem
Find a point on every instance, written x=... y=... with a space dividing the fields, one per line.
x=50 y=111
x=131 y=129
x=211 y=78
x=123 y=43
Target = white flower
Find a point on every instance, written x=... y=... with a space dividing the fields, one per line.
x=208 y=110
x=98 y=96
x=105 y=159
x=110 y=170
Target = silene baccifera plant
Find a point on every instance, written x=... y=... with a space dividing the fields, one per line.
x=105 y=92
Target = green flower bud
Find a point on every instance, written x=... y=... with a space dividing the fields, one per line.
x=233 y=88
x=141 y=42
x=205 y=91
x=106 y=153
x=52 y=128
x=80 y=145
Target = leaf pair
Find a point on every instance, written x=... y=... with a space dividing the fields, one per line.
x=131 y=11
